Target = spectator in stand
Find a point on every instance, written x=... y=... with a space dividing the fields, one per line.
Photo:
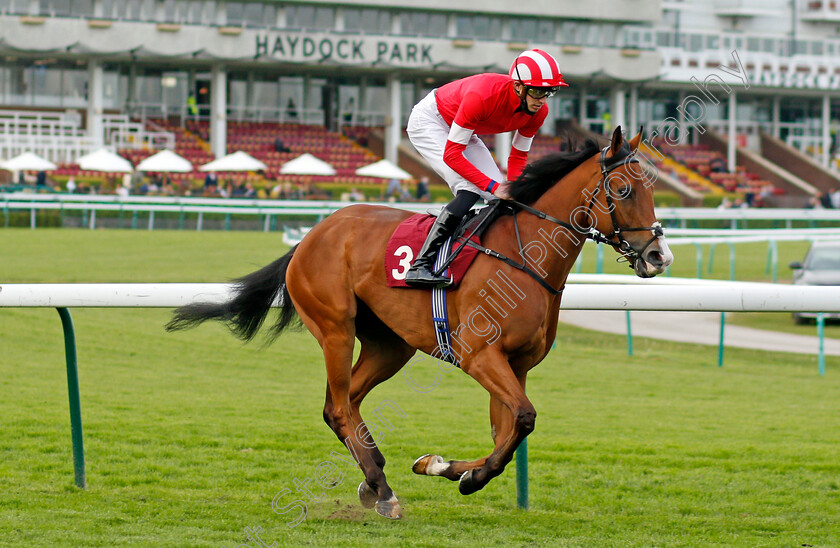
x=717 y=165
x=167 y=189
x=211 y=180
x=405 y=193
x=814 y=202
x=41 y=178
x=834 y=198
x=279 y=146
x=349 y=109
x=356 y=196
x=725 y=203
x=423 y=194
x=825 y=200
x=71 y=185
x=291 y=109
x=393 y=188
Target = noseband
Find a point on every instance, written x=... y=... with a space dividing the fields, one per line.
x=622 y=245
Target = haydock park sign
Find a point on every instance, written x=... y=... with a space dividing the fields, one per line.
x=351 y=50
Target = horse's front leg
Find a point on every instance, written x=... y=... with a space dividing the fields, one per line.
x=512 y=417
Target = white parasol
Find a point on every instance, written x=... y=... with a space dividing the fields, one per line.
x=28 y=162
x=307 y=164
x=384 y=170
x=166 y=160
x=105 y=160
x=237 y=161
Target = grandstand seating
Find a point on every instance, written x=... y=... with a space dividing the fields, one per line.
x=258 y=139
x=708 y=165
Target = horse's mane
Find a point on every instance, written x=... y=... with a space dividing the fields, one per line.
x=541 y=175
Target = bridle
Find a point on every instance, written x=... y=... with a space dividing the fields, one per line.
x=615 y=238
x=622 y=246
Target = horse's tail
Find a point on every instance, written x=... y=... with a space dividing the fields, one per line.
x=246 y=311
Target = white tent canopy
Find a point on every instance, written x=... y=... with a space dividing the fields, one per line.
x=28 y=162
x=237 y=161
x=166 y=160
x=307 y=164
x=384 y=170
x=105 y=160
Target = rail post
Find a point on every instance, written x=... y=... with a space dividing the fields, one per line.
x=75 y=400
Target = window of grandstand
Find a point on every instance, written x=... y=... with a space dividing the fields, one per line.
x=666 y=39
x=66 y=8
x=609 y=35
x=592 y=34
x=712 y=41
x=201 y=13
x=571 y=33
x=55 y=8
x=695 y=42
x=310 y=17
x=251 y=14
x=478 y=26
x=128 y=10
x=367 y=20
x=174 y=11
x=416 y=23
x=635 y=37
x=523 y=29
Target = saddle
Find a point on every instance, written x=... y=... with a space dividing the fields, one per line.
x=409 y=236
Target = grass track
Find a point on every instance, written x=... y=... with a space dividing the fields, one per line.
x=189 y=436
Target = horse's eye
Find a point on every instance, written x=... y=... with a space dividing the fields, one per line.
x=624 y=192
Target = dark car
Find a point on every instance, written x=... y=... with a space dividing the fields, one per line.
x=820 y=267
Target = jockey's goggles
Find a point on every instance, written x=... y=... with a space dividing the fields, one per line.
x=540 y=93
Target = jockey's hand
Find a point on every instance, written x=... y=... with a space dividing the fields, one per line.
x=503 y=192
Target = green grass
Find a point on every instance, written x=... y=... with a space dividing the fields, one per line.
x=189 y=436
x=784 y=322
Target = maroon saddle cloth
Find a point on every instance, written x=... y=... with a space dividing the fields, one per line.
x=407 y=240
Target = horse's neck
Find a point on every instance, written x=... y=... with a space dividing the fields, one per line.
x=560 y=245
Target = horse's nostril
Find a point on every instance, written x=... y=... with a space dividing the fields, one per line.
x=655 y=259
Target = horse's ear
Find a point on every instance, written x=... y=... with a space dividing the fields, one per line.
x=617 y=141
x=634 y=142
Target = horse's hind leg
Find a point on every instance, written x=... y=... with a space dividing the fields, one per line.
x=380 y=358
x=330 y=316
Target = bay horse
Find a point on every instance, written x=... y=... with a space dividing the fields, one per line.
x=335 y=283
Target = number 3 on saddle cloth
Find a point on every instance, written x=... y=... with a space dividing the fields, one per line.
x=407 y=240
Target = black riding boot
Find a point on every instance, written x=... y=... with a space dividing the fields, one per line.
x=421 y=273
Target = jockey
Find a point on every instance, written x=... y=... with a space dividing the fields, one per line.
x=443 y=127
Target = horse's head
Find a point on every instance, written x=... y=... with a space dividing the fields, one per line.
x=621 y=207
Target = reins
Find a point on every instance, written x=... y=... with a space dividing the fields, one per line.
x=627 y=251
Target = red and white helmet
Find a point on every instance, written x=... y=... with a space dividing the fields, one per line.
x=538 y=69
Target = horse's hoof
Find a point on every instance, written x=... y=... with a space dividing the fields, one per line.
x=367 y=495
x=466 y=485
x=421 y=465
x=389 y=508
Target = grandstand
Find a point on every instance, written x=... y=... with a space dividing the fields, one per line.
x=206 y=78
